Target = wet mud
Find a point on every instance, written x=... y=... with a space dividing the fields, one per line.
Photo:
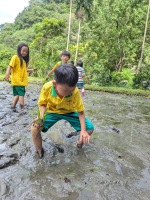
x=114 y=166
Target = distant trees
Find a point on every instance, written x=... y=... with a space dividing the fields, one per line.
x=83 y=7
x=106 y=35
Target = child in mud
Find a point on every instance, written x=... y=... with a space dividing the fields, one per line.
x=61 y=99
x=65 y=56
x=19 y=78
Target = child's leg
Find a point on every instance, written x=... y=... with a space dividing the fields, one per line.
x=21 y=101
x=49 y=120
x=18 y=92
x=16 y=97
x=37 y=139
x=15 y=101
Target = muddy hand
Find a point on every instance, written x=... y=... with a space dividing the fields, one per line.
x=37 y=123
x=84 y=137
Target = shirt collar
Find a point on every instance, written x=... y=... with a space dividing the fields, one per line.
x=53 y=91
x=54 y=94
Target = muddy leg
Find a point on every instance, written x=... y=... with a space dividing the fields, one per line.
x=37 y=139
x=15 y=100
x=21 y=101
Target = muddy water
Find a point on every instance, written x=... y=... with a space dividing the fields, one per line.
x=115 y=166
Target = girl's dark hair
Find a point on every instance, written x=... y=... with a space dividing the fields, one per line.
x=66 y=74
x=80 y=63
x=26 y=58
x=65 y=53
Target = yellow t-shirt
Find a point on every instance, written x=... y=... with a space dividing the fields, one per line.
x=19 y=75
x=54 y=104
x=57 y=65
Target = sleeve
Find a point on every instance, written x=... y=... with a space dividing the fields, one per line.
x=43 y=96
x=78 y=101
x=56 y=65
x=13 y=61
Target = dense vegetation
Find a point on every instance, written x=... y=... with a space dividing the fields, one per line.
x=111 y=42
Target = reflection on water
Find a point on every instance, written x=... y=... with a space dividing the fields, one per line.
x=114 y=166
x=144 y=182
x=2 y=146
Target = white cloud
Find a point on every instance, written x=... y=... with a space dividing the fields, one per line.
x=9 y=9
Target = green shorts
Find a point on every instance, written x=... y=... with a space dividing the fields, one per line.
x=72 y=118
x=18 y=90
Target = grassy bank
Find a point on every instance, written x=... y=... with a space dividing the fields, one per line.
x=32 y=80
x=119 y=90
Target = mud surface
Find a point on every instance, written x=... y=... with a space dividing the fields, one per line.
x=115 y=166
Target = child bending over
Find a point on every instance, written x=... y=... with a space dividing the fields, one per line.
x=61 y=99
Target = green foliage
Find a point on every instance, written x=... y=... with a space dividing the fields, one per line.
x=83 y=6
x=98 y=75
x=25 y=36
x=142 y=79
x=5 y=56
x=6 y=30
x=37 y=11
x=117 y=32
x=50 y=27
x=123 y=78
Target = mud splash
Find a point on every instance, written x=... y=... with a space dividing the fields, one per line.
x=116 y=165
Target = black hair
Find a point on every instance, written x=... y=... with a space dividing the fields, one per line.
x=72 y=62
x=66 y=53
x=66 y=74
x=26 y=58
x=80 y=63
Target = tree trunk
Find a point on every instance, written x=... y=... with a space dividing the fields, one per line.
x=144 y=37
x=77 y=43
x=69 y=25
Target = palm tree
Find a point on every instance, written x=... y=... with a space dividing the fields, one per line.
x=144 y=37
x=83 y=8
x=69 y=25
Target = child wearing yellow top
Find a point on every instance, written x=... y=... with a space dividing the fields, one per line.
x=65 y=56
x=61 y=99
x=18 y=70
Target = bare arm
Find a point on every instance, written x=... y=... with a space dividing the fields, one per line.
x=7 y=75
x=38 y=122
x=49 y=73
x=84 y=136
x=42 y=109
x=30 y=70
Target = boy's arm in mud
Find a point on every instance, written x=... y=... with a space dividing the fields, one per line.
x=84 y=136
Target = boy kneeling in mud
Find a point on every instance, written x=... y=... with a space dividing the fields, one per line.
x=61 y=99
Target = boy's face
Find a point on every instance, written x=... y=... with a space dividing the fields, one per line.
x=63 y=90
x=64 y=59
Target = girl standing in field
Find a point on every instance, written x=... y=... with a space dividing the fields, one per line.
x=19 y=77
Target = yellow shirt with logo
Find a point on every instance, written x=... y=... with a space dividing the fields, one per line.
x=55 y=104
x=19 y=76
